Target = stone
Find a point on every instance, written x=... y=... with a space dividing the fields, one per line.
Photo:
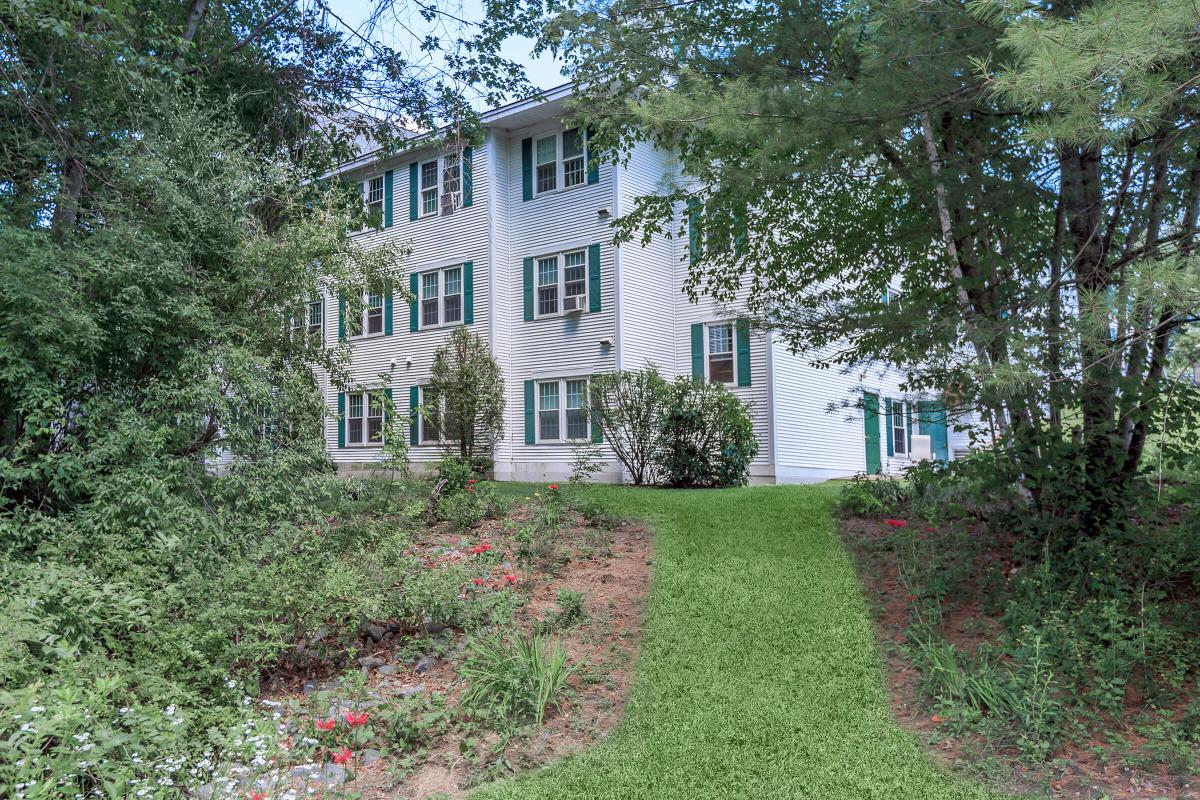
x=370 y=756
x=376 y=632
x=387 y=669
x=434 y=627
x=369 y=662
x=409 y=691
x=423 y=665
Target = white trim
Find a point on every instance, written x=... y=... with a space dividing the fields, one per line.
x=441 y=296
x=560 y=258
x=732 y=323
x=561 y=382
x=362 y=319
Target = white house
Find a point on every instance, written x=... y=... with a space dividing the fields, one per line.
x=512 y=238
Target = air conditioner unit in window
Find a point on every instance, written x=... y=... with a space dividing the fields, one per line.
x=573 y=304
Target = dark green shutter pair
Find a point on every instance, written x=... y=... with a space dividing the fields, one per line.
x=593 y=278
x=468 y=290
x=466 y=176
x=593 y=166
x=531 y=417
x=741 y=345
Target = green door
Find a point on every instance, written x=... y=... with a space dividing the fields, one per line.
x=871 y=432
x=933 y=425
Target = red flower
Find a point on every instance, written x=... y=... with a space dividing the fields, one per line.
x=356 y=719
x=930 y=529
x=935 y=719
x=326 y=725
x=258 y=796
x=510 y=578
x=910 y=597
x=483 y=548
x=471 y=489
x=476 y=549
x=342 y=756
x=896 y=523
x=553 y=487
x=477 y=581
x=472 y=481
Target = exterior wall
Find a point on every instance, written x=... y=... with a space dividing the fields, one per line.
x=566 y=346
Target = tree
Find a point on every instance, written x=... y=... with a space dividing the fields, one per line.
x=707 y=437
x=1041 y=219
x=465 y=394
x=628 y=407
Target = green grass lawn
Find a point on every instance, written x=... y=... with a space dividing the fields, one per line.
x=759 y=676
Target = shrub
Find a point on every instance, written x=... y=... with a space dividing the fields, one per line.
x=456 y=472
x=628 y=406
x=570 y=608
x=707 y=436
x=867 y=497
x=462 y=509
x=517 y=679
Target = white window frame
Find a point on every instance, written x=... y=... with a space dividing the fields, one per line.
x=708 y=326
x=560 y=168
x=422 y=439
x=560 y=259
x=424 y=189
x=561 y=383
x=365 y=316
x=304 y=323
x=441 y=272
x=900 y=448
x=373 y=206
x=364 y=397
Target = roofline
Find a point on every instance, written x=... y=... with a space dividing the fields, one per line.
x=490 y=117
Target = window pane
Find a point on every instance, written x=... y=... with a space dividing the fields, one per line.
x=430 y=422
x=577 y=417
x=429 y=312
x=546 y=150
x=547 y=300
x=720 y=338
x=374 y=320
x=452 y=308
x=429 y=298
x=375 y=190
x=429 y=175
x=574 y=274
x=547 y=286
x=354 y=429
x=450 y=182
x=314 y=316
x=572 y=143
x=453 y=281
x=547 y=166
x=720 y=352
x=547 y=271
x=720 y=368
x=548 y=411
x=356 y=405
x=429 y=285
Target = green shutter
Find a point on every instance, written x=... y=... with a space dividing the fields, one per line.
x=593 y=258
x=597 y=434
x=341 y=317
x=593 y=166
x=693 y=212
x=887 y=423
x=387 y=310
x=387 y=392
x=530 y=438
x=387 y=199
x=698 y=351
x=468 y=180
x=414 y=402
x=341 y=419
x=527 y=293
x=413 y=171
x=412 y=304
x=527 y=169
x=468 y=292
x=743 y=351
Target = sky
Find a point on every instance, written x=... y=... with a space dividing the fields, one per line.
x=404 y=34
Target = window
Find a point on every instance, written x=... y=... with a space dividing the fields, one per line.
x=547 y=164
x=560 y=160
x=568 y=283
x=890 y=296
x=364 y=418
x=562 y=408
x=899 y=429
x=375 y=196
x=371 y=318
x=441 y=297
x=451 y=176
x=574 y=172
x=438 y=425
x=577 y=416
x=720 y=352
x=548 y=422
x=429 y=187
x=310 y=321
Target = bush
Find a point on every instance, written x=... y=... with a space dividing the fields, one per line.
x=462 y=509
x=628 y=406
x=868 y=497
x=456 y=472
x=467 y=380
x=707 y=437
x=518 y=679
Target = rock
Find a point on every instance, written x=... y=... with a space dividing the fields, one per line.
x=370 y=757
x=387 y=669
x=376 y=632
x=434 y=627
x=369 y=662
x=321 y=633
x=409 y=691
x=423 y=665
x=333 y=775
x=204 y=792
x=309 y=687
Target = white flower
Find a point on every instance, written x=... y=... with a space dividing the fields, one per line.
x=82 y=737
x=28 y=728
x=37 y=709
x=123 y=711
x=231 y=683
x=170 y=711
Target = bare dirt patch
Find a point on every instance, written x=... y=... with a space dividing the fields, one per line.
x=610 y=565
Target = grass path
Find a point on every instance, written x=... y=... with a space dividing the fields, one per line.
x=759 y=676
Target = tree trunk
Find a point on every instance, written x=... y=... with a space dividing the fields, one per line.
x=66 y=209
